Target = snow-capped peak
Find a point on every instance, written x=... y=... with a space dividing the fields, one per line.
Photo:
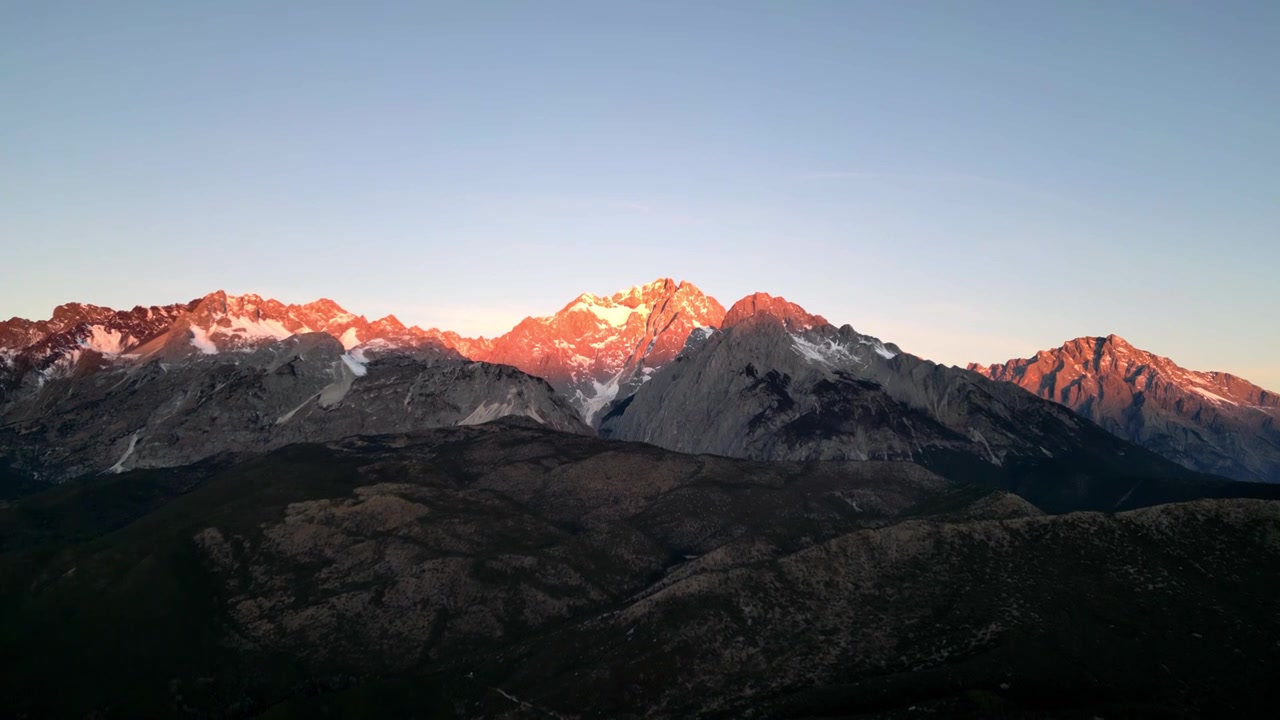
x=605 y=310
x=597 y=349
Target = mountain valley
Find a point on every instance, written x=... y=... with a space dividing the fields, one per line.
x=641 y=506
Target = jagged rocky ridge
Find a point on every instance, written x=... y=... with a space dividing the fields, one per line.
x=80 y=338
x=593 y=350
x=597 y=351
x=508 y=571
x=305 y=388
x=1208 y=421
x=777 y=383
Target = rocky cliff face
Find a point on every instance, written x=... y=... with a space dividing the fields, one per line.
x=791 y=316
x=598 y=349
x=594 y=350
x=778 y=383
x=94 y=389
x=306 y=388
x=34 y=351
x=1209 y=421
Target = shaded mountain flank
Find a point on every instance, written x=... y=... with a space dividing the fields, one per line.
x=597 y=351
x=777 y=383
x=592 y=350
x=305 y=388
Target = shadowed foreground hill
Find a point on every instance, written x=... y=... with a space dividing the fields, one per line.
x=509 y=571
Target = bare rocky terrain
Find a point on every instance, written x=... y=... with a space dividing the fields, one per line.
x=778 y=383
x=302 y=389
x=1213 y=422
x=238 y=508
x=592 y=350
x=598 y=349
x=508 y=571
x=813 y=390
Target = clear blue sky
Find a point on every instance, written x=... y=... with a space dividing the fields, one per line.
x=971 y=180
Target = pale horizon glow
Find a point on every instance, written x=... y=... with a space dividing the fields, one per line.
x=974 y=182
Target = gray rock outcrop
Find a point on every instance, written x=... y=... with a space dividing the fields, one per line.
x=303 y=389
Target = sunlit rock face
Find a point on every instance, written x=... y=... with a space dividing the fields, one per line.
x=79 y=338
x=96 y=390
x=597 y=350
x=594 y=350
x=790 y=315
x=1209 y=421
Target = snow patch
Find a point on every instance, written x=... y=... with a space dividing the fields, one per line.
x=357 y=365
x=602 y=395
x=62 y=366
x=613 y=315
x=879 y=348
x=107 y=342
x=1212 y=396
x=345 y=374
x=349 y=339
x=827 y=352
x=200 y=339
x=262 y=329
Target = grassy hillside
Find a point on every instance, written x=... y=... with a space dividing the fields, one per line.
x=507 y=571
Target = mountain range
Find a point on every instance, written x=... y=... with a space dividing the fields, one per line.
x=640 y=506
x=662 y=362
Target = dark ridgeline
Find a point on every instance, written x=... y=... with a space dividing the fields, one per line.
x=505 y=570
